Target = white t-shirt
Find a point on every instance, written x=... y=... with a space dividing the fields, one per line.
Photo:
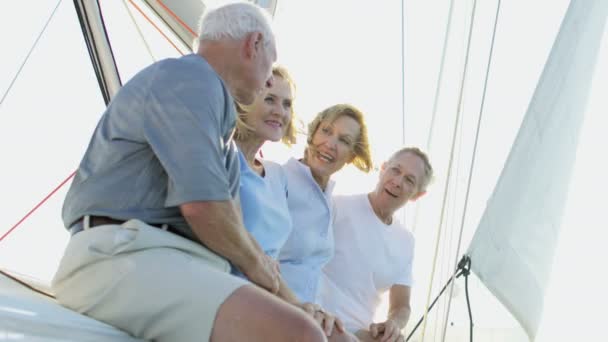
x=370 y=257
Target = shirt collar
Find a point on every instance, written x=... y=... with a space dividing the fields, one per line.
x=296 y=165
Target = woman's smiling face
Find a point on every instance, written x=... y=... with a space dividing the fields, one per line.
x=332 y=146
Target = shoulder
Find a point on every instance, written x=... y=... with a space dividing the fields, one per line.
x=274 y=171
x=349 y=201
x=404 y=235
x=272 y=167
x=295 y=173
x=290 y=165
x=187 y=72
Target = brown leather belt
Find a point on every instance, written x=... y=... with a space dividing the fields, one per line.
x=95 y=221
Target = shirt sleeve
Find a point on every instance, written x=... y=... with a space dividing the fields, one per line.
x=183 y=126
x=405 y=276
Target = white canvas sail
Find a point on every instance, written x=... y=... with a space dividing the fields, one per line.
x=180 y=16
x=513 y=247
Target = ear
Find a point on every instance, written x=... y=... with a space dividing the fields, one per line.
x=383 y=166
x=253 y=44
x=417 y=196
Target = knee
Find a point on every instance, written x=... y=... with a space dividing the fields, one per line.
x=304 y=329
x=307 y=330
x=342 y=337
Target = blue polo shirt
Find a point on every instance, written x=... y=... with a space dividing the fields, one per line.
x=311 y=243
x=164 y=140
x=264 y=205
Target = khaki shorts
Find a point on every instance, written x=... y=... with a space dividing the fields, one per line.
x=148 y=282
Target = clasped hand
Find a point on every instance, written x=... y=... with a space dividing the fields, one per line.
x=387 y=331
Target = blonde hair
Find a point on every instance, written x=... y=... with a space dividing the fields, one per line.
x=361 y=149
x=244 y=131
x=428 y=169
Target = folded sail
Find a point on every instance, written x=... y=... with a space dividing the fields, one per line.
x=513 y=247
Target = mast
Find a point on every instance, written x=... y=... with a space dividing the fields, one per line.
x=180 y=16
x=98 y=45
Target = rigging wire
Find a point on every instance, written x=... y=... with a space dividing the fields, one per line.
x=10 y=86
x=73 y=173
x=403 y=213
x=37 y=206
x=402 y=72
x=156 y=27
x=440 y=76
x=141 y=35
x=179 y=20
x=14 y=227
x=448 y=28
x=451 y=211
x=473 y=158
x=451 y=160
x=464 y=269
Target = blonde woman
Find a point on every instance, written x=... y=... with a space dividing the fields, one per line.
x=336 y=137
x=264 y=184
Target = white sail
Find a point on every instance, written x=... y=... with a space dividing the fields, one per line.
x=180 y=16
x=513 y=247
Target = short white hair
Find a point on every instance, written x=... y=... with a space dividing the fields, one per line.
x=235 y=21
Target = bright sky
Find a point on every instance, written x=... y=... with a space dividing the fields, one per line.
x=337 y=51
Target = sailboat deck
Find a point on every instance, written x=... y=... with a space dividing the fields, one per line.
x=27 y=315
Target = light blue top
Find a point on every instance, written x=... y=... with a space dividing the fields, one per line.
x=164 y=140
x=311 y=243
x=264 y=205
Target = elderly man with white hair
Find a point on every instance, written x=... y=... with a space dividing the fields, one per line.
x=154 y=211
x=374 y=251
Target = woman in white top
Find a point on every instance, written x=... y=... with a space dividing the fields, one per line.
x=263 y=184
x=337 y=136
x=374 y=252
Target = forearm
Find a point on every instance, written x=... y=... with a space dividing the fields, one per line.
x=287 y=294
x=400 y=315
x=219 y=227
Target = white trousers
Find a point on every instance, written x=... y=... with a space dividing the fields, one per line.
x=148 y=282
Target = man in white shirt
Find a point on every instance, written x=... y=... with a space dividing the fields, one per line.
x=374 y=252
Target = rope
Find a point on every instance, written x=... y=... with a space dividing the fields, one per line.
x=156 y=27
x=10 y=86
x=143 y=39
x=464 y=269
x=445 y=191
x=473 y=158
x=73 y=173
x=26 y=284
x=179 y=20
x=38 y=205
x=466 y=291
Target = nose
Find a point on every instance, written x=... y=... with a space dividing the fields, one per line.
x=279 y=110
x=332 y=142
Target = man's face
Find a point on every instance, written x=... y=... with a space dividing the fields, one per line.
x=259 y=69
x=400 y=180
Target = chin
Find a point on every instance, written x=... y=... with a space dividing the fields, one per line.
x=245 y=100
